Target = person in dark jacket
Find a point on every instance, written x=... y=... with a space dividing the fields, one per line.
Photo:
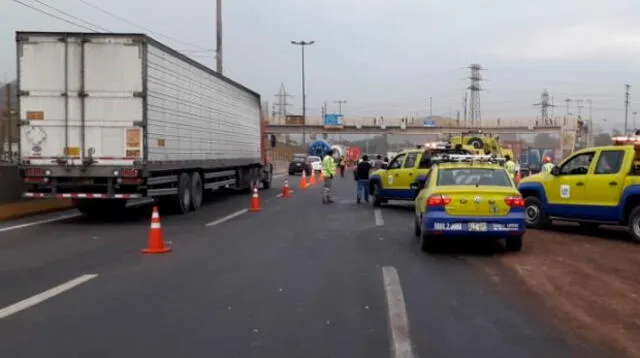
x=362 y=178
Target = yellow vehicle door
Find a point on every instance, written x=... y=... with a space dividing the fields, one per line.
x=566 y=192
x=605 y=184
x=390 y=178
x=406 y=175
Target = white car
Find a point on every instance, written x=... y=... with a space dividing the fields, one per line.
x=316 y=163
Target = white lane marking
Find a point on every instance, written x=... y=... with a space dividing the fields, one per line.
x=377 y=213
x=43 y=296
x=401 y=346
x=40 y=222
x=228 y=217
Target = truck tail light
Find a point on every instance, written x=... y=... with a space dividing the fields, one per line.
x=514 y=201
x=438 y=200
x=34 y=172
x=126 y=172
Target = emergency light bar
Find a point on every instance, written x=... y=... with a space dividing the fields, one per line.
x=451 y=158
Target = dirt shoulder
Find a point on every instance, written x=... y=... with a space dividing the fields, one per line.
x=591 y=281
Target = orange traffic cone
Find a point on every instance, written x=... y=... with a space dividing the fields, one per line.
x=155 y=243
x=286 y=193
x=321 y=176
x=254 y=204
x=302 y=184
x=312 y=179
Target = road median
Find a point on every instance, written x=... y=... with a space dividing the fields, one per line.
x=32 y=207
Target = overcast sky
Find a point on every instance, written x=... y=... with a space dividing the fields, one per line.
x=386 y=57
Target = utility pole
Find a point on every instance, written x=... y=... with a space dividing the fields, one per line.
x=626 y=108
x=8 y=125
x=590 y=136
x=340 y=102
x=302 y=45
x=466 y=94
x=634 y=121
x=219 y=36
x=475 y=89
x=579 y=106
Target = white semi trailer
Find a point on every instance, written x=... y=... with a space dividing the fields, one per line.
x=107 y=117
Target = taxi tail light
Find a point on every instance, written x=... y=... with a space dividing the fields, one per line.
x=438 y=200
x=514 y=201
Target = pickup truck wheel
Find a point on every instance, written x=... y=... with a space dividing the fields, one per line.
x=534 y=215
x=634 y=225
x=197 y=191
x=376 y=200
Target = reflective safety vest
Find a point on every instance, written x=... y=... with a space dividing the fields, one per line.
x=510 y=167
x=546 y=168
x=328 y=166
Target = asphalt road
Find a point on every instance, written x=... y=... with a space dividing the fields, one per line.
x=299 y=279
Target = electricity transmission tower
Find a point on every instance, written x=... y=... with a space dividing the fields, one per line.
x=281 y=103
x=474 y=89
x=340 y=102
x=545 y=104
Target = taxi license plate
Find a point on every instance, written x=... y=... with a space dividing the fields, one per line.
x=477 y=226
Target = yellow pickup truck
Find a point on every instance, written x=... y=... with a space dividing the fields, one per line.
x=395 y=181
x=593 y=186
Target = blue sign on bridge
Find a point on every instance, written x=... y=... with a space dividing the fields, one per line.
x=333 y=120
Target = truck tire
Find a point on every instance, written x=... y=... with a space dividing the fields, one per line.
x=197 y=191
x=181 y=203
x=535 y=218
x=634 y=225
x=376 y=200
x=266 y=182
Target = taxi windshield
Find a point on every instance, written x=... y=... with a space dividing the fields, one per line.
x=473 y=176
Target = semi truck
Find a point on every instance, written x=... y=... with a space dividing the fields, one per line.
x=110 y=117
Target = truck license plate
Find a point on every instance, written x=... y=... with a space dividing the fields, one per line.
x=477 y=226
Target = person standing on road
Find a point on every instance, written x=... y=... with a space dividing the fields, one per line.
x=510 y=166
x=547 y=166
x=341 y=166
x=362 y=179
x=378 y=164
x=328 y=171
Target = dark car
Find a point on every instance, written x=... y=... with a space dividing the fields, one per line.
x=298 y=164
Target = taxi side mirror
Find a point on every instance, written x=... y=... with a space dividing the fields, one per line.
x=555 y=171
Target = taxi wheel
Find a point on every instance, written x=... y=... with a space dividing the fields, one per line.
x=634 y=225
x=416 y=227
x=427 y=243
x=535 y=217
x=513 y=244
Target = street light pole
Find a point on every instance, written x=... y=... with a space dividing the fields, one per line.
x=219 y=36
x=302 y=45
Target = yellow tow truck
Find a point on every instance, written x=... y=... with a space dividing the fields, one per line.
x=593 y=186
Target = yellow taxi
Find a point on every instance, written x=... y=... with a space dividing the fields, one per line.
x=468 y=196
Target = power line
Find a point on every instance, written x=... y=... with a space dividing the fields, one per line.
x=69 y=15
x=141 y=27
x=53 y=15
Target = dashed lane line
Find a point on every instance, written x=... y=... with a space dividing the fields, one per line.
x=43 y=296
x=377 y=213
x=401 y=346
x=227 y=218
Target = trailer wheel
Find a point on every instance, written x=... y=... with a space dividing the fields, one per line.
x=268 y=178
x=197 y=191
x=182 y=202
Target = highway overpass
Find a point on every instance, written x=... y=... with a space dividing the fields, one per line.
x=316 y=129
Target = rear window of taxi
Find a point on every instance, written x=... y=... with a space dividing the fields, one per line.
x=473 y=176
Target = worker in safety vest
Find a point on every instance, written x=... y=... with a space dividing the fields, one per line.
x=510 y=166
x=547 y=166
x=328 y=171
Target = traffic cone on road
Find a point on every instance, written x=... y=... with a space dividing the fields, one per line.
x=302 y=184
x=312 y=179
x=155 y=243
x=254 y=204
x=286 y=193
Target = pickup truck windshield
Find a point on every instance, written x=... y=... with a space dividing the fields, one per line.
x=473 y=176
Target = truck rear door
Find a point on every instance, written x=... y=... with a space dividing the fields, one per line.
x=81 y=99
